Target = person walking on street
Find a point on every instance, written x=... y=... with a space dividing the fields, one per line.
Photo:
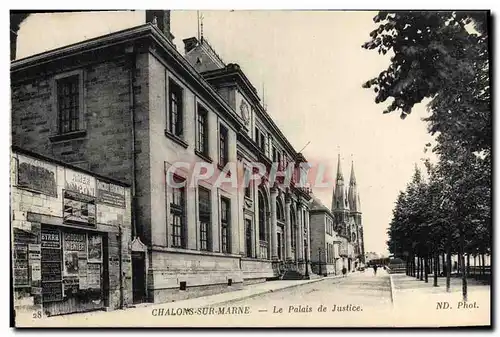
x=375 y=269
x=344 y=271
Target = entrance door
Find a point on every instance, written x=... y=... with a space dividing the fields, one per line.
x=138 y=276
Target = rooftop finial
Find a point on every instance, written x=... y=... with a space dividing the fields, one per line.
x=201 y=26
x=198 y=23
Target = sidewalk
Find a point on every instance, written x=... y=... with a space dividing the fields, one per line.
x=116 y=317
x=420 y=301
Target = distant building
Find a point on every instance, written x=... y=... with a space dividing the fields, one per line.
x=346 y=208
x=325 y=243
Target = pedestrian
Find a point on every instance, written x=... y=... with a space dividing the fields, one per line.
x=375 y=269
x=344 y=271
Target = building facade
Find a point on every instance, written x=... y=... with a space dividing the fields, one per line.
x=128 y=105
x=274 y=212
x=70 y=230
x=325 y=241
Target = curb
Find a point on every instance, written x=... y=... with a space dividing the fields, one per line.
x=268 y=291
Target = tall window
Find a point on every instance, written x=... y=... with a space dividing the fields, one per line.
x=68 y=103
x=175 y=109
x=223 y=146
x=275 y=155
x=177 y=215
x=225 y=230
x=293 y=230
x=205 y=212
x=202 y=139
x=262 y=219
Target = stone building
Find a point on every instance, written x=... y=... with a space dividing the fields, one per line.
x=346 y=208
x=325 y=241
x=130 y=106
x=70 y=230
x=275 y=216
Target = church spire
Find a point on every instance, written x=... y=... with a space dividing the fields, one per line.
x=340 y=176
x=353 y=177
x=353 y=194
x=339 y=200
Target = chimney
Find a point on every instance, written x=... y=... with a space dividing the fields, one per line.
x=16 y=18
x=189 y=44
x=162 y=19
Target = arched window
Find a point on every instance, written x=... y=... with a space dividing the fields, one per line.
x=280 y=215
x=262 y=218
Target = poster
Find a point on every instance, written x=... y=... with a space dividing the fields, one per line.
x=75 y=242
x=70 y=263
x=34 y=251
x=36 y=270
x=79 y=208
x=21 y=276
x=37 y=175
x=70 y=285
x=52 y=291
x=82 y=270
x=110 y=194
x=80 y=183
x=51 y=238
x=94 y=248
x=94 y=275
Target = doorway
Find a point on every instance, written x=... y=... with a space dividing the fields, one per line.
x=138 y=276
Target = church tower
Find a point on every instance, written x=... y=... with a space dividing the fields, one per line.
x=340 y=203
x=355 y=214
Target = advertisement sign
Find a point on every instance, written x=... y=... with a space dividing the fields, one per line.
x=52 y=291
x=70 y=263
x=94 y=248
x=35 y=251
x=21 y=276
x=51 y=238
x=110 y=194
x=79 y=182
x=36 y=175
x=36 y=270
x=94 y=275
x=82 y=270
x=75 y=242
x=79 y=208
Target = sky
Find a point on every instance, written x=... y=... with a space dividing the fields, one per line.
x=312 y=66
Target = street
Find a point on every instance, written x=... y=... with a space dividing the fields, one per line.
x=361 y=289
x=357 y=300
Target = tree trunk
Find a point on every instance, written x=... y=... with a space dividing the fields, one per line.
x=436 y=269
x=418 y=267
x=474 y=266
x=468 y=265
x=462 y=264
x=421 y=269
x=448 y=262
x=444 y=264
x=483 y=267
x=426 y=269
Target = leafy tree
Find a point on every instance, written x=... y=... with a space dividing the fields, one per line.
x=442 y=56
